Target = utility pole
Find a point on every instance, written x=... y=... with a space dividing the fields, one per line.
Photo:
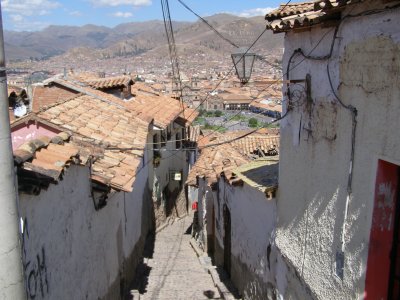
x=11 y=270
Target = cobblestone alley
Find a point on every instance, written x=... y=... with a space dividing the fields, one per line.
x=171 y=268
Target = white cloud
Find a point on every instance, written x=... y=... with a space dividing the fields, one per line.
x=75 y=13
x=120 y=2
x=16 y=18
x=121 y=14
x=29 y=7
x=253 y=12
x=27 y=25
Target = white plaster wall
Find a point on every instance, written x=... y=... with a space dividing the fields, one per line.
x=171 y=160
x=80 y=250
x=253 y=220
x=314 y=168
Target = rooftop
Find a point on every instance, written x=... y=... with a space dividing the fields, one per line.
x=305 y=14
x=222 y=154
x=115 y=134
x=261 y=174
x=42 y=161
x=110 y=82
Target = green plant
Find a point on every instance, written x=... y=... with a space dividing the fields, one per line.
x=202 y=111
x=208 y=126
x=253 y=122
x=156 y=159
x=236 y=118
x=218 y=113
x=199 y=121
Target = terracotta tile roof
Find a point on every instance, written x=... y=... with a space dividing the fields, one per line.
x=306 y=14
x=147 y=106
x=164 y=110
x=225 y=157
x=45 y=157
x=109 y=82
x=47 y=95
x=189 y=115
x=107 y=127
x=285 y=10
x=250 y=145
x=143 y=88
x=116 y=169
x=215 y=161
x=101 y=121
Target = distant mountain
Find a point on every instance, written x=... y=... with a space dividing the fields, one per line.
x=132 y=39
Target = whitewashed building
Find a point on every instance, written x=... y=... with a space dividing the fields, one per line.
x=338 y=209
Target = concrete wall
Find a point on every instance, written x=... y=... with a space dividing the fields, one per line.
x=72 y=251
x=315 y=154
x=253 y=220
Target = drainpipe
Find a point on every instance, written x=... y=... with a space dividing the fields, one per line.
x=11 y=274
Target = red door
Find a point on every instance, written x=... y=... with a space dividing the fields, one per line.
x=381 y=274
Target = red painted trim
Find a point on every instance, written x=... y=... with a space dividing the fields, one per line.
x=382 y=228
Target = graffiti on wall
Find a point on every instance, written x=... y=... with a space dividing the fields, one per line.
x=35 y=268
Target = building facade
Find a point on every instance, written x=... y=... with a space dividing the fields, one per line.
x=337 y=227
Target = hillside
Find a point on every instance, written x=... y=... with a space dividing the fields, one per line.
x=133 y=39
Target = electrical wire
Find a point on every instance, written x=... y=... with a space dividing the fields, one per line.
x=208 y=24
x=224 y=78
x=229 y=73
x=242 y=57
x=172 y=49
x=278 y=80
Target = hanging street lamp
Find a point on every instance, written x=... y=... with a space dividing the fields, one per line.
x=243 y=63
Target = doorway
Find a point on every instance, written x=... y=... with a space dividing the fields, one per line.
x=227 y=240
x=383 y=266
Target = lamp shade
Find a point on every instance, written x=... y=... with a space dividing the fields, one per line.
x=243 y=63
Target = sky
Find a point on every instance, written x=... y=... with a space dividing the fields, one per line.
x=33 y=15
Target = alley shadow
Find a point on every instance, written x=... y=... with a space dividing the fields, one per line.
x=143 y=270
x=209 y=294
x=189 y=229
x=225 y=279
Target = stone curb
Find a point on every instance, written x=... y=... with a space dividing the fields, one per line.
x=221 y=287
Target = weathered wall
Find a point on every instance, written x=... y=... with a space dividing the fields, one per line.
x=172 y=160
x=253 y=220
x=72 y=251
x=315 y=155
